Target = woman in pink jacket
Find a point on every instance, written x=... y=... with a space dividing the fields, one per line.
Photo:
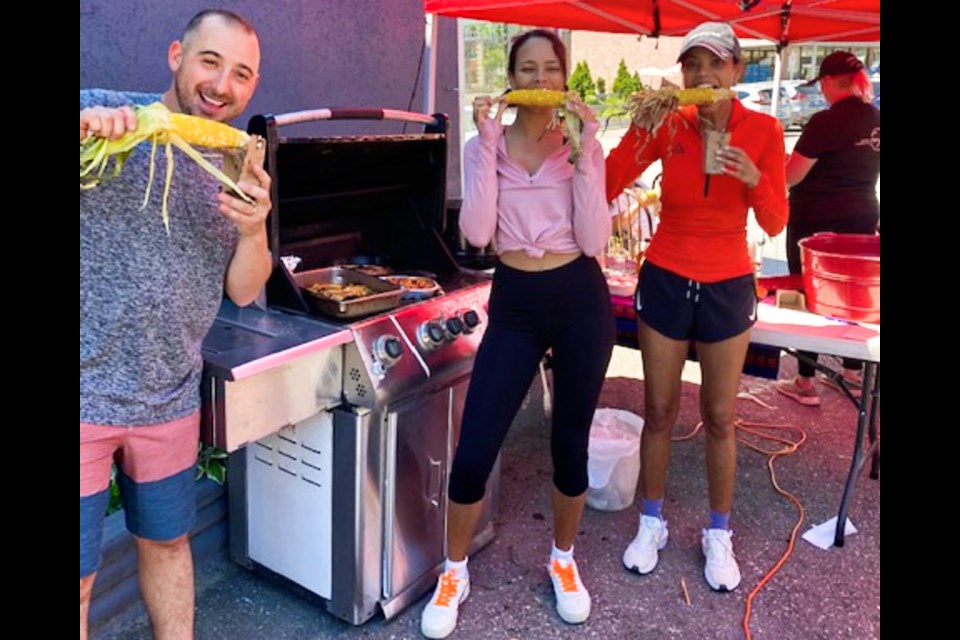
x=550 y=220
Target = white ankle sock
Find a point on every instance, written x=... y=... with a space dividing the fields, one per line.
x=461 y=567
x=557 y=554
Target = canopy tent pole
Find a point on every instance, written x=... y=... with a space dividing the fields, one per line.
x=778 y=60
x=777 y=81
x=430 y=63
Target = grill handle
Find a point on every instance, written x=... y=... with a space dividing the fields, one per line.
x=311 y=115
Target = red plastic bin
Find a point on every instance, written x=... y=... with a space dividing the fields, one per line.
x=841 y=275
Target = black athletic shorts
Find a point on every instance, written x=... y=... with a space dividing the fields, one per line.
x=685 y=309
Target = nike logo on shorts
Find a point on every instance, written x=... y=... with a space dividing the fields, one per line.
x=753 y=312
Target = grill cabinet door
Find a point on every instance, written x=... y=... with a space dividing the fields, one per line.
x=417 y=435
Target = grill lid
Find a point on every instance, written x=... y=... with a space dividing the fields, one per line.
x=341 y=196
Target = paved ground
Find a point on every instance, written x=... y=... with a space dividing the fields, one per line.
x=818 y=594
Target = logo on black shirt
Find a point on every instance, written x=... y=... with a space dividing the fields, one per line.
x=873 y=141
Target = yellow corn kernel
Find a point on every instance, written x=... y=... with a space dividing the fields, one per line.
x=201 y=132
x=537 y=98
x=703 y=95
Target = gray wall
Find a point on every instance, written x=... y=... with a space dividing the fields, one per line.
x=316 y=53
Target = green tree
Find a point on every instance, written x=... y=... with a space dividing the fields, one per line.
x=495 y=64
x=485 y=56
x=625 y=84
x=581 y=81
x=601 y=86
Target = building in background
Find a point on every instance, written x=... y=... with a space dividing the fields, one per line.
x=485 y=47
x=656 y=58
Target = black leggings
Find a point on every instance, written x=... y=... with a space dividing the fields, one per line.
x=567 y=310
x=797 y=231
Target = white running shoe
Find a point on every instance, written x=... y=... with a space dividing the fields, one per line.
x=642 y=554
x=439 y=617
x=573 y=600
x=720 y=570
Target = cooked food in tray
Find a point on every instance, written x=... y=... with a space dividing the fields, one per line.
x=342 y=293
x=339 y=292
x=412 y=283
x=369 y=269
x=414 y=287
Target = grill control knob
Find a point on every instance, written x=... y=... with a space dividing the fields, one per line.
x=431 y=335
x=454 y=327
x=387 y=350
x=470 y=320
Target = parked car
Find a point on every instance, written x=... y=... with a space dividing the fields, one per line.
x=758 y=95
x=806 y=101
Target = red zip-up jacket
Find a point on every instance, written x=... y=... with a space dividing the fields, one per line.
x=703 y=236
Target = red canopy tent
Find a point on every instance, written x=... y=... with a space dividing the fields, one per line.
x=784 y=22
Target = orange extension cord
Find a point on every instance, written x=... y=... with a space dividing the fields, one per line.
x=757 y=430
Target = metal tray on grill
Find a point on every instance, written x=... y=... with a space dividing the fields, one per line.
x=385 y=295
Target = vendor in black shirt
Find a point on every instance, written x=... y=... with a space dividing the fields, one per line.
x=832 y=175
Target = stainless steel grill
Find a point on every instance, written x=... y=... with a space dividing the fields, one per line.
x=347 y=427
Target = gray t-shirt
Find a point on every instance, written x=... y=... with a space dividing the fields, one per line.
x=147 y=299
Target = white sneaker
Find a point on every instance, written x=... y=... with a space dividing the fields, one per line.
x=720 y=570
x=439 y=617
x=642 y=554
x=573 y=600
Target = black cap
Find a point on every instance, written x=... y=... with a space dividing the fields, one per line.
x=838 y=63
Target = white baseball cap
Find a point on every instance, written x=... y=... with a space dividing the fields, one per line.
x=717 y=37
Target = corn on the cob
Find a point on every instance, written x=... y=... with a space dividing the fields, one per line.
x=201 y=132
x=648 y=108
x=157 y=125
x=536 y=98
x=702 y=96
x=555 y=100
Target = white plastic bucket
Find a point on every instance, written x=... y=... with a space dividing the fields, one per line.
x=613 y=467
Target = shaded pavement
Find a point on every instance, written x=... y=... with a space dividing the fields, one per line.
x=818 y=594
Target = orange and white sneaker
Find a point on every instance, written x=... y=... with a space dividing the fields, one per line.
x=573 y=600
x=439 y=617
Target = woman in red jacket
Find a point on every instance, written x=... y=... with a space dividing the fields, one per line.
x=697 y=282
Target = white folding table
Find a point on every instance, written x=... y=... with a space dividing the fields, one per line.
x=796 y=331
